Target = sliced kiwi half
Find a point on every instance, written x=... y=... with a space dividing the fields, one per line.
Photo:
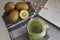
x=24 y=14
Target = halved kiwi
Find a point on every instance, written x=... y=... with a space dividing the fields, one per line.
x=24 y=14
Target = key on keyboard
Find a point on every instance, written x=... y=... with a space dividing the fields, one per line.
x=55 y=3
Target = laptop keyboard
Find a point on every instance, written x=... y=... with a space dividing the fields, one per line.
x=53 y=12
x=55 y=3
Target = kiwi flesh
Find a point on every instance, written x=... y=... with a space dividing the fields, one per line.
x=24 y=14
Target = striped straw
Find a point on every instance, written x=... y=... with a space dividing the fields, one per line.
x=25 y=0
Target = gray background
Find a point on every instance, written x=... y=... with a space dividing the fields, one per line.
x=53 y=31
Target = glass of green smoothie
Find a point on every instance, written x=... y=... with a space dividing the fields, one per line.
x=36 y=29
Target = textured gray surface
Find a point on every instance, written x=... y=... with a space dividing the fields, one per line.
x=24 y=37
x=53 y=31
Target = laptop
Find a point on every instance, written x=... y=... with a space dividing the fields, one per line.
x=53 y=12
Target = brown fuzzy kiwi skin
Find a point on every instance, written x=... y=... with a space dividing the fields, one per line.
x=9 y=6
x=21 y=6
x=13 y=16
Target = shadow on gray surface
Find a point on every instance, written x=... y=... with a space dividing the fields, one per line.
x=25 y=37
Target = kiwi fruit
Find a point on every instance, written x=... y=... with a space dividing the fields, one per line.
x=9 y=6
x=13 y=16
x=24 y=14
x=21 y=6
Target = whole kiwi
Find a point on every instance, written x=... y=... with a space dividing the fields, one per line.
x=13 y=16
x=21 y=6
x=9 y=6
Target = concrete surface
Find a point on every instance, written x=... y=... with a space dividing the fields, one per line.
x=4 y=35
